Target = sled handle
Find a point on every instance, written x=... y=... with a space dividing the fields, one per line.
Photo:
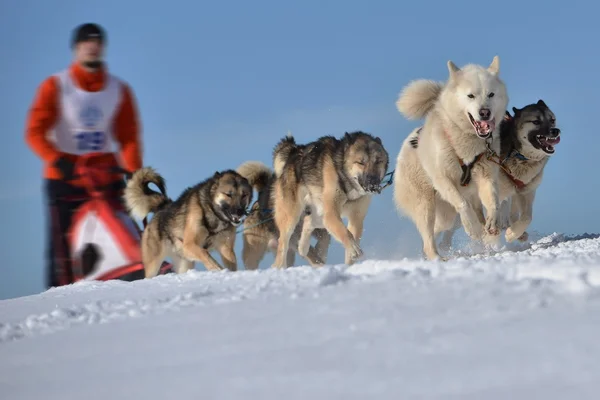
x=86 y=172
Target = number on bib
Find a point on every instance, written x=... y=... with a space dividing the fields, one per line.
x=92 y=141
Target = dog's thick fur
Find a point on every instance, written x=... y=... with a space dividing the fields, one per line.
x=203 y=218
x=444 y=175
x=332 y=178
x=260 y=232
x=527 y=141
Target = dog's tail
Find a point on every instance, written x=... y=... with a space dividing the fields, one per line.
x=257 y=173
x=284 y=151
x=418 y=98
x=140 y=200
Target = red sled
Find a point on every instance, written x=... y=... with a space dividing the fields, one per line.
x=104 y=240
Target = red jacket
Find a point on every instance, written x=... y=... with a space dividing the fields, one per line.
x=44 y=112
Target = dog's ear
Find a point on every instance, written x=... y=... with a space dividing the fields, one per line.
x=217 y=174
x=541 y=103
x=452 y=69
x=378 y=140
x=516 y=111
x=494 y=67
x=348 y=137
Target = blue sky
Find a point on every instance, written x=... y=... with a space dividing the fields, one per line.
x=219 y=83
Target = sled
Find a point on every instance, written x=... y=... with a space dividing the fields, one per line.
x=103 y=238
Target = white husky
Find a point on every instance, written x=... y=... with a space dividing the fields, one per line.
x=443 y=175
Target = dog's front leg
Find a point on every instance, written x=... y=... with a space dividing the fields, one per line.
x=357 y=212
x=193 y=234
x=448 y=191
x=522 y=202
x=332 y=219
x=334 y=224
x=225 y=248
x=487 y=185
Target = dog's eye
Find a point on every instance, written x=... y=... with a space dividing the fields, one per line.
x=471 y=96
x=360 y=163
x=228 y=195
x=491 y=95
x=537 y=122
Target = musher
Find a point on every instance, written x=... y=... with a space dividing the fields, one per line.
x=80 y=110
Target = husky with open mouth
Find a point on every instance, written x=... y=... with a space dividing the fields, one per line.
x=443 y=175
x=527 y=141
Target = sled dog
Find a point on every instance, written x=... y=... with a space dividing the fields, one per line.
x=444 y=174
x=527 y=141
x=332 y=178
x=203 y=218
x=260 y=232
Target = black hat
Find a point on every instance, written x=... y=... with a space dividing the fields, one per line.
x=86 y=32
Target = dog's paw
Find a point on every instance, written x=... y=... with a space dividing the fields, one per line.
x=471 y=223
x=512 y=234
x=279 y=262
x=524 y=237
x=354 y=253
x=474 y=230
x=491 y=227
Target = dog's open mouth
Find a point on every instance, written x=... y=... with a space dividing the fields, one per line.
x=547 y=143
x=235 y=221
x=483 y=129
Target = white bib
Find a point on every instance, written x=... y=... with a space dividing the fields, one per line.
x=86 y=118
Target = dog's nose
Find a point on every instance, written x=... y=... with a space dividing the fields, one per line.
x=485 y=114
x=554 y=131
x=373 y=183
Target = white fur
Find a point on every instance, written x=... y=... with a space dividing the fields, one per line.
x=427 y=179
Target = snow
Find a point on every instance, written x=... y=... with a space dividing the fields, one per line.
x=516 y=324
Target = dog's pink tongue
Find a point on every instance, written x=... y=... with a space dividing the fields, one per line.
x=486 y=126
x=553 y=141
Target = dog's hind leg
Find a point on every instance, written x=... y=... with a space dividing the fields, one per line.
x=253 y=250
x=424 y=218
x=448 y=235
x=153 y=252
x=305 y=236
x=287 y=214
x=321 y=248
x=181 y=265
x=291 y=258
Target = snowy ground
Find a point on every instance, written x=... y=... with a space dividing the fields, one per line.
x=516 y=325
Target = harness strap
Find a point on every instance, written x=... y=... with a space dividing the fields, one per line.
x=519 y=184
x=465 y=178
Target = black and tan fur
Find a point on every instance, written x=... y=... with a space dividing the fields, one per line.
x=332 y=178
x=203 y=218
x=260 y=232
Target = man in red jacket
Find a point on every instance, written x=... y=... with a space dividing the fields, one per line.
x=80 y=110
